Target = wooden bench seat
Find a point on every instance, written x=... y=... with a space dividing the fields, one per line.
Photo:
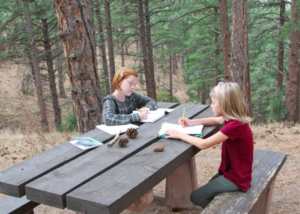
x=257 y=199
x=13 y=205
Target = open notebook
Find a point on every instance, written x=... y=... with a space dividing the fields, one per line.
x=153 y=115
x=191 y=130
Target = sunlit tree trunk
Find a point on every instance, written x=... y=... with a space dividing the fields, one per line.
x=281 y=47
x=292 y=82
x=239 y=43
x=150 y=51
x=225 y=39
x=144 y=47
x=110 y=42
x=61 y=79
x=170 y=76
x=35 y=65
x=51 y=73
x=102 y=48
x=75 y=23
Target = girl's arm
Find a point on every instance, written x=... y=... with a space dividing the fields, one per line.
x=210 y=121
x=198 y=142
x=110 y=116
x=144 y=101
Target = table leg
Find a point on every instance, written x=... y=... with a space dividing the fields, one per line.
x=142 y=202
x=179 y=186
x=264 y=202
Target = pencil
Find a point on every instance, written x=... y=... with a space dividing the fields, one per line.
x=138 y=110
x=183 y=116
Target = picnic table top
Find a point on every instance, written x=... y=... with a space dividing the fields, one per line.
x=104 y=179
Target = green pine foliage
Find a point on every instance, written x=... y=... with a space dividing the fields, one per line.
x=164 y=96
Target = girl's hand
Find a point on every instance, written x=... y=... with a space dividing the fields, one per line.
x=171 y=133
x=145 y=110
x=187 y=122
x=143 y=115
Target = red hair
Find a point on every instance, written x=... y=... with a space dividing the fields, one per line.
x=121 y=74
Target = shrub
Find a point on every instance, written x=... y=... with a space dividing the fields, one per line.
x=164 y=96
x=70 y=124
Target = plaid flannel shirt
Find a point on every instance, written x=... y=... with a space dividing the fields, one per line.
x=116 y=112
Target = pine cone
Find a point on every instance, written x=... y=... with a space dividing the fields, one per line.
x=122 y=141
x=158 y=149
x=132 y=132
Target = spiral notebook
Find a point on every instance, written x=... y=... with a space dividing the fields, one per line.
x=153 y=116
x=191 y=130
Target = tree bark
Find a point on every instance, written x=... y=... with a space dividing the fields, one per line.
x=292 y=82
x=75 y=23
x=217 y=50
x=281 y=47
x=35 y=65
x=225 y=39
x=61 y=79
x=144 y=47
x=102 y=49
x=110 y=42
x=51 y=73
x=239 y=43
x=150 y=51
x=170 y=77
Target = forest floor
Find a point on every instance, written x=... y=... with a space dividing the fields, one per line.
x=22 y=138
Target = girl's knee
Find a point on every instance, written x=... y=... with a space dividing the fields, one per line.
x=196 y=198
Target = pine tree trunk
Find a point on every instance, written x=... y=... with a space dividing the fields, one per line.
x=122 y=55
x=75 y=23
x=281 y=47
x=292 y=82
x=61 y=79
x=51 y=73
x=102 y=49
x=217 y=50
x=110 y=42
x=144 y=48
x=225 y=39
x=239 y=43
x=150 y=51
x=35 y=65
x=170 y=77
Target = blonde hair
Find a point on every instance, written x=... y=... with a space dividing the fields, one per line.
x=121 y=74
x=232 y=101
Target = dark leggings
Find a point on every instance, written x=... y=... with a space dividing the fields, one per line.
x=205 y=194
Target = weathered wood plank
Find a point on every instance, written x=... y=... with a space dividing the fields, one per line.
x=51 y=189
x=266 y=166
x=14 y=179
x=166 y=105
x=13 y=205
x=122 y=185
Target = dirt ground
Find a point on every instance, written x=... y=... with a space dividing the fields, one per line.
x=21 y=138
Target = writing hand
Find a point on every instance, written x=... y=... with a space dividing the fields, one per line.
x=186 y=122
x=145 y=110
x=143 y=115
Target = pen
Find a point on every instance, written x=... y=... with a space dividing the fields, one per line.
x=138 y=110
x=183 y=116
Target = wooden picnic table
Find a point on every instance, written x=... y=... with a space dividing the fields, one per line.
x=111 y=179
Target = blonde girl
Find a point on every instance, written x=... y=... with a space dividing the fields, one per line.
x=118 y=107
x=235 y=171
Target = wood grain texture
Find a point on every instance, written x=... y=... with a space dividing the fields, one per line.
x=51 y=189
x=122 y=185
x=266 y=166
x=14 y=179
x=13 y=205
